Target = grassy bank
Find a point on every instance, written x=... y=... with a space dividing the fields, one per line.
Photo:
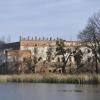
x=52 y=78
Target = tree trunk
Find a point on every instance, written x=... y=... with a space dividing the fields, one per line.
x=63 y=69
x=96 y=63
x=64 y=65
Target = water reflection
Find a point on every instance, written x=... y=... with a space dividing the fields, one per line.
x=81 y=88
x=34 y=91
x=70 y=90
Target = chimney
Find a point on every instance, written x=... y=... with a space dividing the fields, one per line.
x=57 y=38
x=28 y=38
x=32 y=38
x=39 y=38
x=20 y=38
x=43 y=38
x=50 y=38
x=24 y=38
x=54 y=39
x=35 y=37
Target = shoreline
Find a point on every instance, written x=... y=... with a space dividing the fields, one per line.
x=52 y=78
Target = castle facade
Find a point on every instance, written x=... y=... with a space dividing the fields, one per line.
x=28 y=47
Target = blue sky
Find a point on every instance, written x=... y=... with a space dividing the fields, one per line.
x=55 y=18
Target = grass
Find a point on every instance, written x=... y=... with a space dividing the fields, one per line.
x=52 y=78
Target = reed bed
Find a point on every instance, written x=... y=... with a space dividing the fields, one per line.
x=52 y=78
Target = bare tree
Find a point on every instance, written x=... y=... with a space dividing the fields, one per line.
x=49 y=53
x=78 y=56
x=90 y=36
x=61 y=49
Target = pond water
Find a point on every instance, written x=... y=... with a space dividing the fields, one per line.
x=39 y=91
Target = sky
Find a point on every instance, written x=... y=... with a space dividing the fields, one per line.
x=45 y=18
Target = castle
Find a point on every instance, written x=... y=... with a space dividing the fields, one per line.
x=28 y=47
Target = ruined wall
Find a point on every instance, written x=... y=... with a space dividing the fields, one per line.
x=18 y=55
x=37 y=46
x=40 y=45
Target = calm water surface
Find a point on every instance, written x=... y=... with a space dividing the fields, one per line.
x=39 y=91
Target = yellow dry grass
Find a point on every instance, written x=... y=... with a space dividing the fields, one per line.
x=52 y=78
